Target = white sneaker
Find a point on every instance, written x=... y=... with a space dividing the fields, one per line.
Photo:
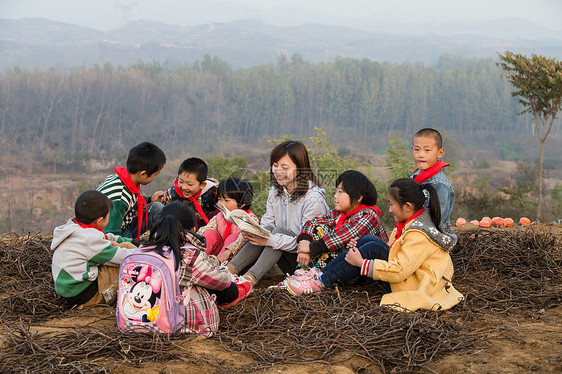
x=237 y=279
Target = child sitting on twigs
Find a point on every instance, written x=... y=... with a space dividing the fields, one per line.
x=417 y=270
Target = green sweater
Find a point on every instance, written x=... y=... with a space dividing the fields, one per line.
x=124 y=203
x=77 y=254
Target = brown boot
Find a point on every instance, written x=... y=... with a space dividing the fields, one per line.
x=252 y=279
x=231 y=268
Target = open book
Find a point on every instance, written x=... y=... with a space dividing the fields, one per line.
x=243 y=220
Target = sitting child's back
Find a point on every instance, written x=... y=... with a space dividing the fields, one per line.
x=86 y=261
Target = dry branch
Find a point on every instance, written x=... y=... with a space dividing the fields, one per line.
x=499 y=271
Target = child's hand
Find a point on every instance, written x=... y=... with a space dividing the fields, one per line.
x=352 y=243
x=224 y=256
x=353 y=257
x=158 y=196
x=127 y=245
x=303 y=258
x=123 y=245
x=304 y=247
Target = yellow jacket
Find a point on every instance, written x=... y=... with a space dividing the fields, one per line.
x=419 y=268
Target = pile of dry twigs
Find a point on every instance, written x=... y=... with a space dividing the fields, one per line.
x=26 y=283
x=509 y=271
x=80 y=351
x=498 y=271
x=335 y=326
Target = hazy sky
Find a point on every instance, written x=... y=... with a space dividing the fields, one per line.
x=547 y=13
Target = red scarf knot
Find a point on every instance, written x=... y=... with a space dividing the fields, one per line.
x=345 y=216
x=427 y=174
x=400 y=225
x=193 y=200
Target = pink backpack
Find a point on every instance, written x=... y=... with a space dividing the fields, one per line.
x=149 y=297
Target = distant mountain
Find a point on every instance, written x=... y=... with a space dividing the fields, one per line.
x=505 y=28
x=42 y=43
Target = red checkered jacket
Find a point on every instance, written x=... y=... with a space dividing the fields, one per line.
x=363 y=222
x=199 y=272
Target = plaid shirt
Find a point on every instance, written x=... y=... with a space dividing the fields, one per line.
x=199 y=272
x=364 y=222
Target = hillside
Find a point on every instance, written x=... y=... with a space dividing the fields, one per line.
x=35 y=42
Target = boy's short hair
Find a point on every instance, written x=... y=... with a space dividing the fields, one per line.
x=237 y=189
x=356 y=184
x=429 y=132
x=145 y=157
x=194 y=165
x=180 y=211
x=90 y=206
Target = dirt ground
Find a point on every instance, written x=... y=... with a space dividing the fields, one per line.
x=530 y=340
x=529 y=344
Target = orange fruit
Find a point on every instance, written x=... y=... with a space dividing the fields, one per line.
x=460 y=222
x=486 y=222
x=525 y=221
x=509 y=222
x=498 y=221
x=475 y=222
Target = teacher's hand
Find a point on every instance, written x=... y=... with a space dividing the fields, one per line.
x=254 y=239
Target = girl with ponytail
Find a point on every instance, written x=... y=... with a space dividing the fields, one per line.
x=203 y=281
x=416 y=269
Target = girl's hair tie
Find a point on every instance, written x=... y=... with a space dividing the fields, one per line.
x=426 y=195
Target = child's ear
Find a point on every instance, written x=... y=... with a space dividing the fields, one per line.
x=409 y=206
x=441 y=153
x=97 y=222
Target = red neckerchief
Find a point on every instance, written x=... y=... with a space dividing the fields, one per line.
x=229 y=226
x=344 y=217
x=178 y=189
x=400 y=225
x=141 y=203
x=193 y=199
x=426 y=174
x=84 y=226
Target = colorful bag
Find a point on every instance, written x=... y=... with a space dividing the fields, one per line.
x=320 y=263
x=149 y=297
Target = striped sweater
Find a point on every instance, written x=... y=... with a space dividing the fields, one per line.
x=124 y=204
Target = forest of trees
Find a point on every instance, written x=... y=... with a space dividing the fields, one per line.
x=108 y=109
x=62 y=130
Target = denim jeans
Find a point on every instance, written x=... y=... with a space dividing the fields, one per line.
x=264 y=258
x=339 y=271
x=151 y=214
